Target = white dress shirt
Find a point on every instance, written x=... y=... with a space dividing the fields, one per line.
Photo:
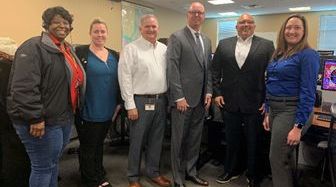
x=242 y=50
x=142 y=70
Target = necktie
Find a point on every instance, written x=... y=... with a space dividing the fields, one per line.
x=198 y=42
x=199 y=47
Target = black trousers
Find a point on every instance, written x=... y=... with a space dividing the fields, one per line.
x=15 y=169
x=240 y=129
x=91 y=137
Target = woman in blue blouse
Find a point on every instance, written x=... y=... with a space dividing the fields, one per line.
x=101 y=98
x=290 y=96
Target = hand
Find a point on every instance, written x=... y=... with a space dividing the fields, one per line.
x=262 y=109
x=37 y=129
x=294 y=136
x=182 y=105
x=207 y=102
x=219 y=100
x=132 y=114
x=266 y=122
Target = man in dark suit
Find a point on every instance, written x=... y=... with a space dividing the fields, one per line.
x=190 y=88
x=238 y=73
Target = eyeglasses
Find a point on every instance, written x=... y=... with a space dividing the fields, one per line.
x=196 y=13
x=245 y=22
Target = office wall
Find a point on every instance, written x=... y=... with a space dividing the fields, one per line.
x=21 y=19
x=272 y=23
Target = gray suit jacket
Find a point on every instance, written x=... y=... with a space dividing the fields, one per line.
x=188 y=76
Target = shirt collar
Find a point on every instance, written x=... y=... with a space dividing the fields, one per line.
x=249 y=39
x=55 y=40
x=147 y=43
x=58 y=43
x=193 y=31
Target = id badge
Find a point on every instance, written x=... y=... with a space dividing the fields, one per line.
x=150 y=105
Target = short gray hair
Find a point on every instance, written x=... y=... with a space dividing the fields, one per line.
x=147 y=16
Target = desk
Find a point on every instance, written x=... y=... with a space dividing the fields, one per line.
x=319 y=123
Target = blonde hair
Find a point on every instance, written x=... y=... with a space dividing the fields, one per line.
x=281 y=50
x=97 y=21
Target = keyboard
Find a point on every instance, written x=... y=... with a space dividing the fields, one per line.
x=324 y=117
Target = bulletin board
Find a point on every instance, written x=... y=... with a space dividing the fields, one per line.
x=131 y=14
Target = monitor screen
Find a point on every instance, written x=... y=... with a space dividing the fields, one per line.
x=326 y=52
x=329 y=75
x=320 y=73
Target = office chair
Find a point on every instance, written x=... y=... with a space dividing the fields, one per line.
x=332 y=145
x=329 y=147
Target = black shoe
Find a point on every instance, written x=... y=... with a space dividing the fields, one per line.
x=225 y=178
x=252 y=183
x=197 y=180
x=178 y=185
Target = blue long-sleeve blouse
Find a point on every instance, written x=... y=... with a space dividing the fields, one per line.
x=295 y=76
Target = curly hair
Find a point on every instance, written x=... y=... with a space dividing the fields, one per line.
x=50 y=13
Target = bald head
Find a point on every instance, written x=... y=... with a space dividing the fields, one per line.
x=245 y=26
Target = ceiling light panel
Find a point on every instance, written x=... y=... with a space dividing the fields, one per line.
x=220 y=2
x=304 y=8
x=228 y=14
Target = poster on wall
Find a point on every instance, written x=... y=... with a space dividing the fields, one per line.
x=130 y=19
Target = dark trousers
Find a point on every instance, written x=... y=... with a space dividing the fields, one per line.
x=15 y=169
x=242 y=127
x=91 y=137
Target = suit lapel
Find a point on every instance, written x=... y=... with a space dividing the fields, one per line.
x=254 y=46
x=233 y=51
x=192 y=43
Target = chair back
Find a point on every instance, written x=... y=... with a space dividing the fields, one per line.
x=332 y=144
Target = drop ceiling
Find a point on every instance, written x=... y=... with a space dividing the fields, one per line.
x=254 y=7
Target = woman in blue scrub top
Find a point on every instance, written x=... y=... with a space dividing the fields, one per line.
x=101 y=99
x=290 y=96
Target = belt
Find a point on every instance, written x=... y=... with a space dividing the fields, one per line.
x=156 y=96
x=282 y=100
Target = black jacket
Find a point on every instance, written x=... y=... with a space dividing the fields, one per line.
x=5 y=66
x=82 y=52
x=243 y=89
x=39 y=83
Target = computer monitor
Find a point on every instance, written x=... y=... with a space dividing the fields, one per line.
x=322 y=59
x=326 y=52
x=329 y=75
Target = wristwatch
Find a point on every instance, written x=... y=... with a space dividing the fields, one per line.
x=298 y=125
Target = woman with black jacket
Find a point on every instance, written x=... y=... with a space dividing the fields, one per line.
x=45 y=87
x=101 y=99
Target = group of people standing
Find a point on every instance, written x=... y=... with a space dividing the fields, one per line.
x=50 y=82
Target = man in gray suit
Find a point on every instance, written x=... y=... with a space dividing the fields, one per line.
x=190 y=88
x=238 y=71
